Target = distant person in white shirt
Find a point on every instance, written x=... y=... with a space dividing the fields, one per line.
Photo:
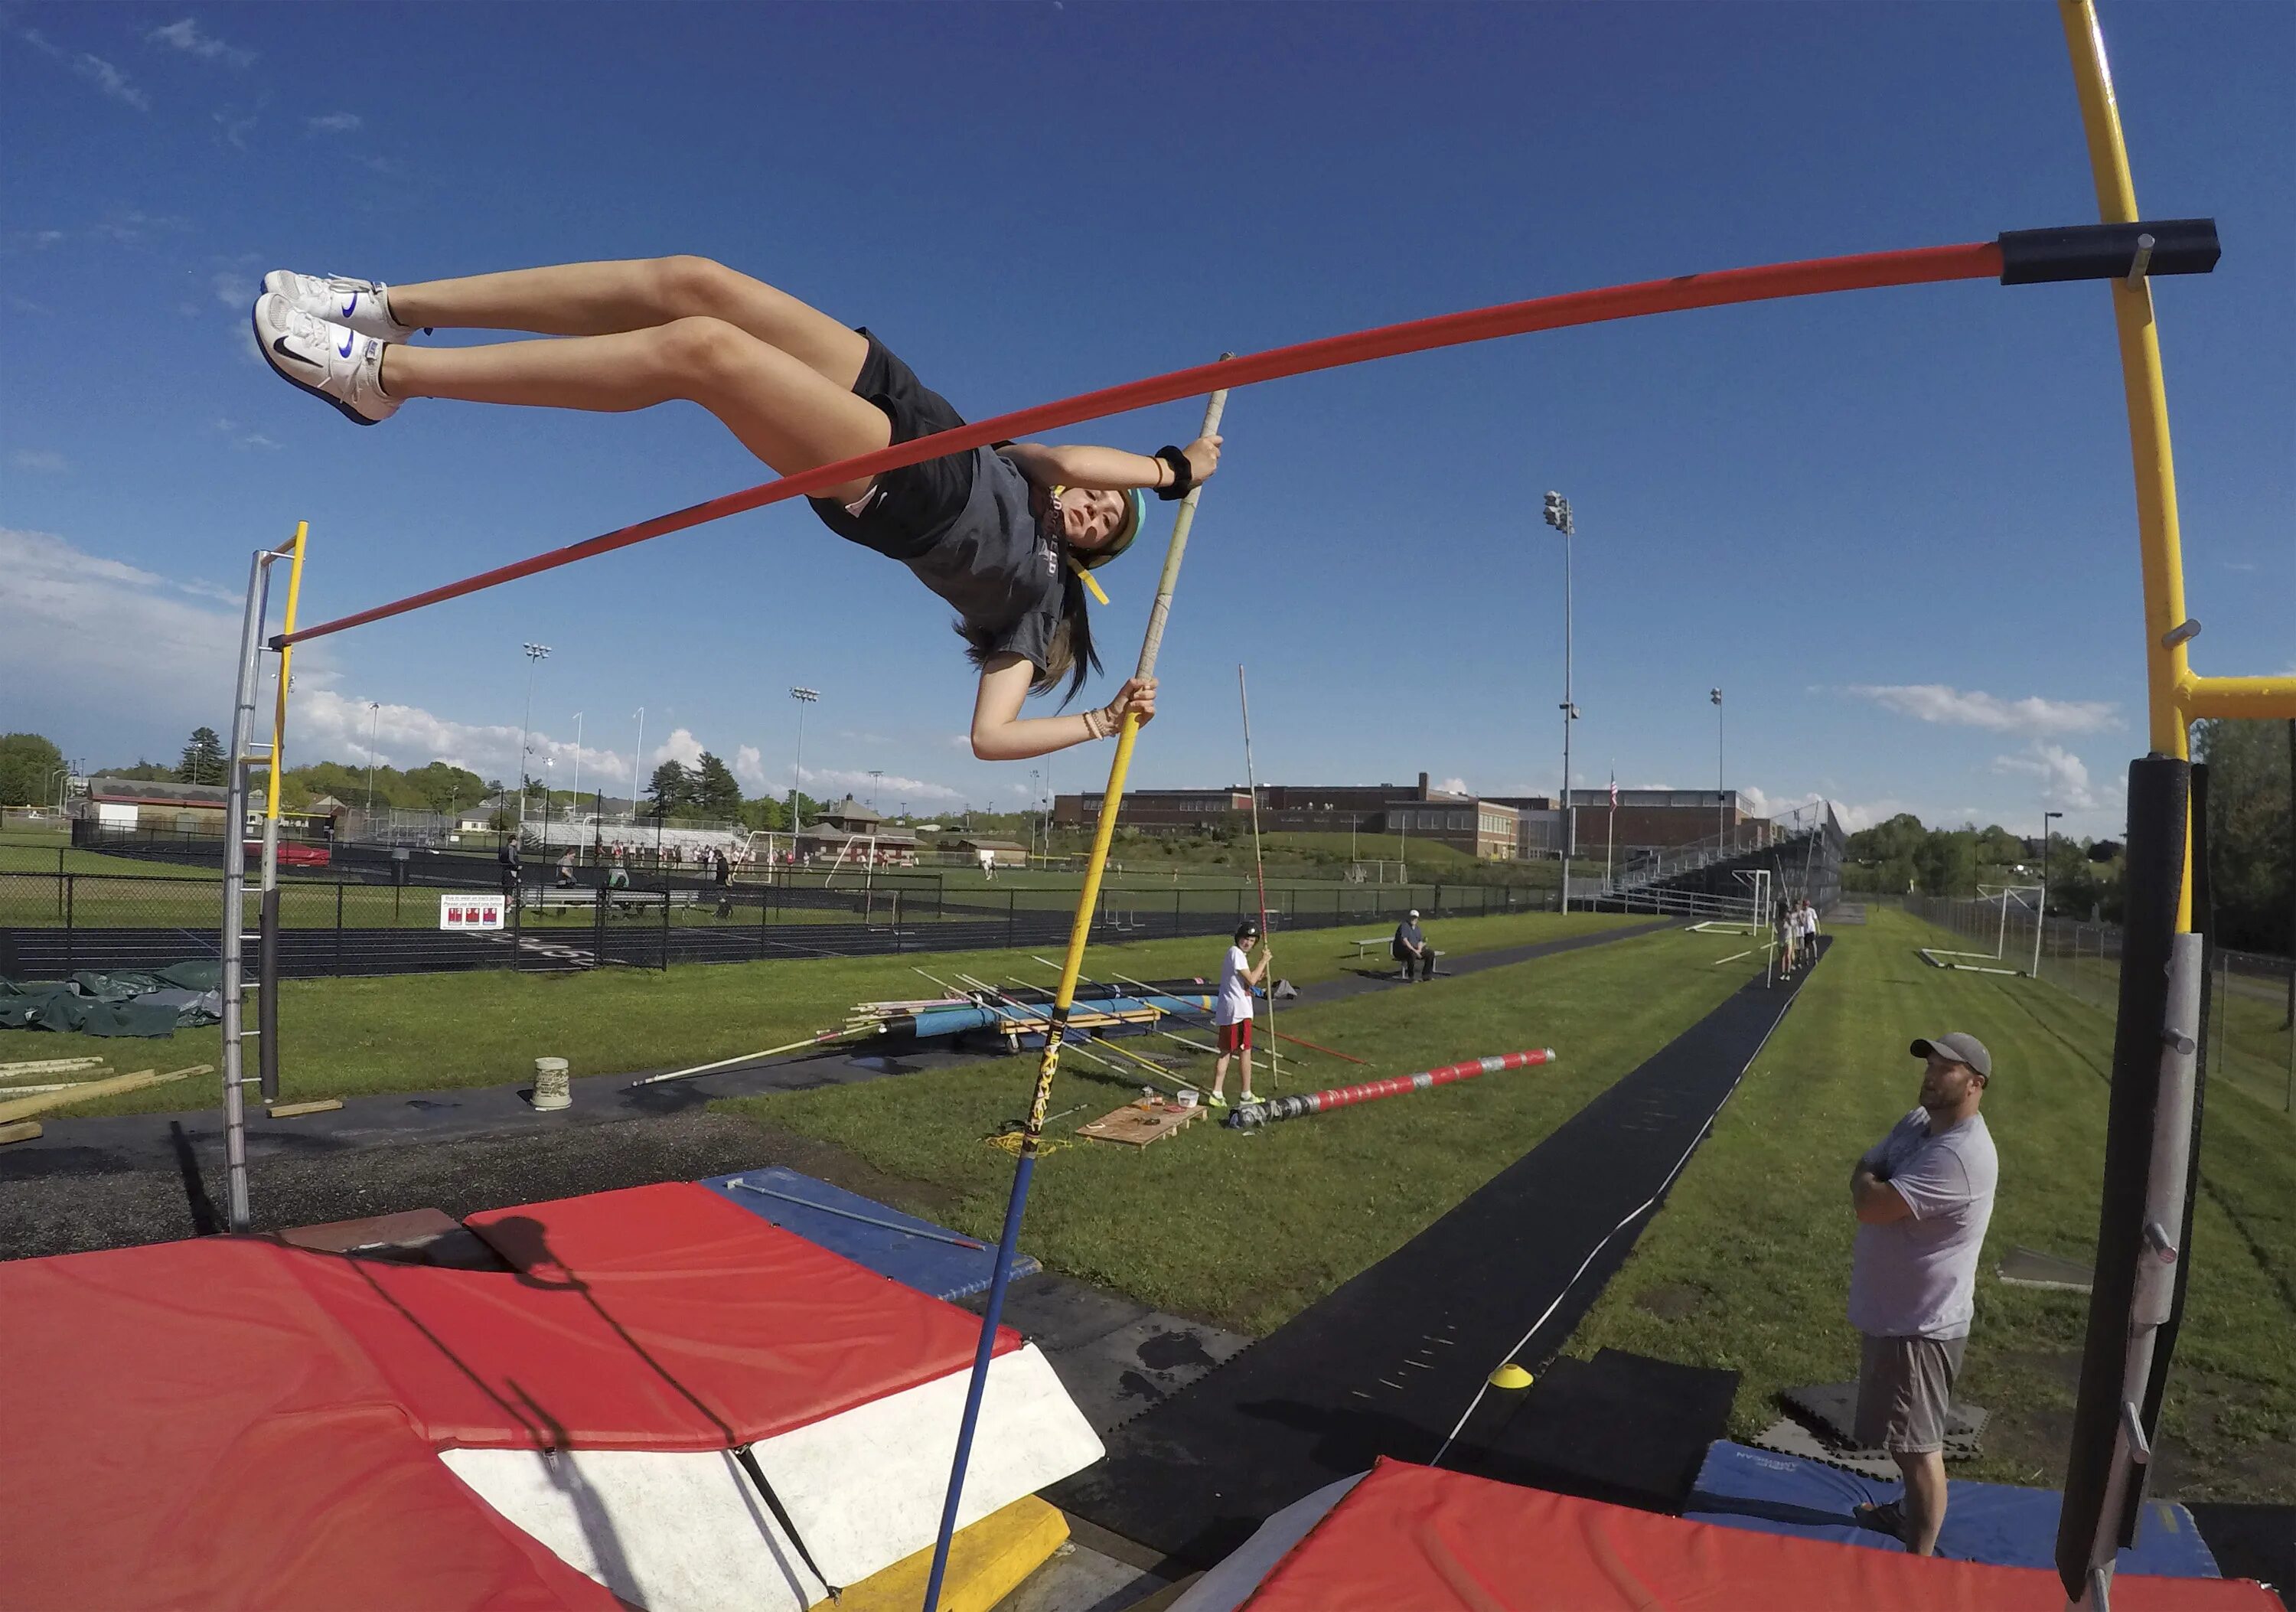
x=988 y=864
x=1923 y=1196
x=1232 y=1013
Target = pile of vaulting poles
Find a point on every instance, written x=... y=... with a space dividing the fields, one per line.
x=1253 y=1115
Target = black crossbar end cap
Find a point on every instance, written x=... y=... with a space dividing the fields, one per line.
x=2107 y=251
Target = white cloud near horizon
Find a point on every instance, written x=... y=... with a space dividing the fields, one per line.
x=2063 y=775
x=118 y=634
x=1938 y=703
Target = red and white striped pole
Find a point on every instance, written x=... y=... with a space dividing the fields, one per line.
x=1252 y=1114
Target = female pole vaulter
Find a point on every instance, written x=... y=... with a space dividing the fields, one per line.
x=1005 y=535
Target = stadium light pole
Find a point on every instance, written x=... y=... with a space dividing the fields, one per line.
x=536 y=655
x=877 y=775
x=1720 y=830
x=2041 y=923
x=576 y=791
x=374 y=716
x=804 y=698
x=1558 y=516
x=637 y=760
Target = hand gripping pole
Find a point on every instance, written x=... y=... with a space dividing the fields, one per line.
x=1033 y=1134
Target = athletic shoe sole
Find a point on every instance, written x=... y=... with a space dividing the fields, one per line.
x=272 y=359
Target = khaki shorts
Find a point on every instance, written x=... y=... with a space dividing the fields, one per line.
x=1904 y=1386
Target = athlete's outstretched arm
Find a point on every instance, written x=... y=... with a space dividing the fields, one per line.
x=1001 y=734
x=1110 y=469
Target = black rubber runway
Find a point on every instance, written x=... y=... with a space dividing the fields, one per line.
x=1388 y=1362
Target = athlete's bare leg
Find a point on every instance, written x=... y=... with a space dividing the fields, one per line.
x=602 y=299
x=783 y=410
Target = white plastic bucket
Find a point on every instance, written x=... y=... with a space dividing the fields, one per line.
x=552 y=1087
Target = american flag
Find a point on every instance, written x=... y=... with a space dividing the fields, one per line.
x=1614 y=792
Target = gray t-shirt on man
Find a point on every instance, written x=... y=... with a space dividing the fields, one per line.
x=1917 y=1277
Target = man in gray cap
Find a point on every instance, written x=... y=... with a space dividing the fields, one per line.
x=1923 y=1196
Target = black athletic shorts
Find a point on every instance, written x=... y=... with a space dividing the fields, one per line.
x=915 y=504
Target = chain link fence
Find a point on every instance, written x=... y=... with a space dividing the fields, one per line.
x=374 y=916
x=2250 y=1042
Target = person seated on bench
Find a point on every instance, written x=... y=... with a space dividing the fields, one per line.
x=1411 y=948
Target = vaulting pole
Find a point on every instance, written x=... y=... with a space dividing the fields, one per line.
x=1033 y=1134
x=1260 y=868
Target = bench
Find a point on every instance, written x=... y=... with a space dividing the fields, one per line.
x=1385 y=943
x=545 y=898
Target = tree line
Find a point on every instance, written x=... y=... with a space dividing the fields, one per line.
x=2252 y=847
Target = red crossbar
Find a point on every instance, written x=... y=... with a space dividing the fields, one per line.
x=1919 y=266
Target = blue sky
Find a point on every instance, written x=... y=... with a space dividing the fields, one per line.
x=1896 y=526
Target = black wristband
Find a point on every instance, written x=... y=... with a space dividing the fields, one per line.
x=1183 y=474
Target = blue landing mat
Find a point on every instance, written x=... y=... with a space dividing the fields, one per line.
x=1740 y=1487
x=826 y=1217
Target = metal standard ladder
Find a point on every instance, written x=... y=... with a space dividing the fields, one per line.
x=246 y=752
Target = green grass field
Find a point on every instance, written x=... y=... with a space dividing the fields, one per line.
x=1747 y=1266
x=418 y=1033
x=1247 y=1230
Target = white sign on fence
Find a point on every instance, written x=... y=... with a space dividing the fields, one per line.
x=470 y=912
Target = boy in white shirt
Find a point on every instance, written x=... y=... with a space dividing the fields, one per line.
x=1232 y=1014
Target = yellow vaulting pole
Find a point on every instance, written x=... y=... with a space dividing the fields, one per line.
x=1088 y=898
x=1064 y=1000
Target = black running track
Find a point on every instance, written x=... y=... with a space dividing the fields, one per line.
x=1388 y=1363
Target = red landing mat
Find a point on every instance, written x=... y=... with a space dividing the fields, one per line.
x=230 y=1422
x=189 y=1429
x=1432 y=1541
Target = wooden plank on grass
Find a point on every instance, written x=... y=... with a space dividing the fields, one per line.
x=54 y=1066
x=25 y=1107
x=288 y=1110
x=22 y=1131
x=1137 y=1127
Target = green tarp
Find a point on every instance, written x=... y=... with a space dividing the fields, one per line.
x=127 y=1003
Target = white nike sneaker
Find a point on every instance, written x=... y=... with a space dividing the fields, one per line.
x=329 y=361
x=364 y=305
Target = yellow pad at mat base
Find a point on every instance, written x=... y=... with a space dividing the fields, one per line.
x=986 y=1563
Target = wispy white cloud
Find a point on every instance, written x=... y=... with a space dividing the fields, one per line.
x=1454 y=786
x=185 y=36
x=95 y=69
x=1955 y=708
x=46 y=460
x=750 y=767
x=234 y=290
x=335 y=123
x=890 y=787
x=232 y=127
